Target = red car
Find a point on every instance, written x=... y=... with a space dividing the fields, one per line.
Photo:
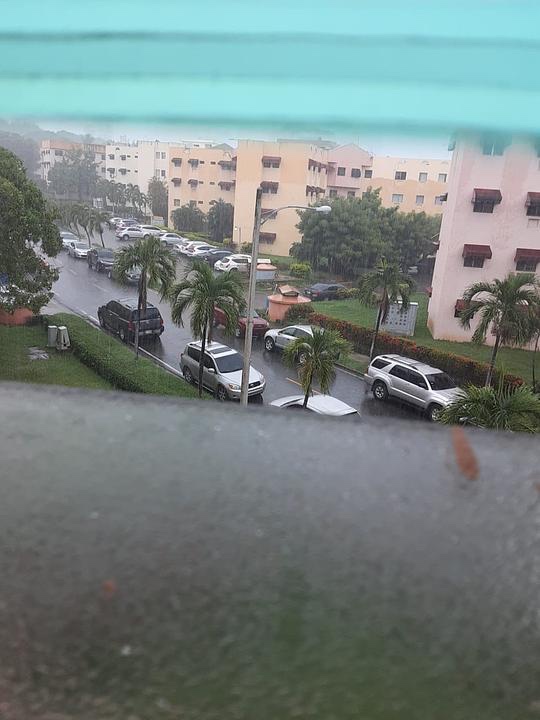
x=260 y=325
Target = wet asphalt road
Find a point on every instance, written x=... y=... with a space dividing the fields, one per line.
x=82 y=290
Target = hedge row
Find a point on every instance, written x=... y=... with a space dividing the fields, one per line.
x=462 y=369
x=117 y=363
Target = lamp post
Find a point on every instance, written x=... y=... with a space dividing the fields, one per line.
x=260 y=219
x=239 y=228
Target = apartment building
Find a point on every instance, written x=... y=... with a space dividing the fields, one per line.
x=201 y=174
x=54 y=150
x=412 y=185
x=490 y=226
x=290 y=173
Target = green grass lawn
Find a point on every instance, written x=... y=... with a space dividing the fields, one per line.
x=60 y=369
x=512 y=360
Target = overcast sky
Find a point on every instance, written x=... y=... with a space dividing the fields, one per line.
x=405 y=146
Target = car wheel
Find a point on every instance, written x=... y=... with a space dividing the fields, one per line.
x=125 y=237
x=122 y=334
x=109 y=274
x=146 y=237
x=237 y=332
x=269 y=344
x=434 y=412
x=221 y=394
x=380 y=391
x=98 y=267
x=302 y=357
x=101 y=320
x=188 y=375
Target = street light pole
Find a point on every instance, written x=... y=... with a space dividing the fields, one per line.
x=251 y=298
x=260 y=220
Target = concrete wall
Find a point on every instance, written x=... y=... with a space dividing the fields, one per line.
x=515 y=173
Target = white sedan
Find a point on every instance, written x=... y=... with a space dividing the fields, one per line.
x=319 y=404
x=67 y=238
x=279 y=339
x=236 y=262
x=200 y=250
x=138 y=231
x=170 y=239
x=77 y=249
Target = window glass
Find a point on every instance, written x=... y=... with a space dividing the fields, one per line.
x=416 y=379
x=380 y=364
x=230 y=363
x=368 y=173
x=476 y=261
x=208 y=362
x=397 y=198
x=440 y=381
x=419 y=199
x=442 y=177
x=422 y=177
x=341 y=171
x=194 y=353
x=526 y=265
x=400 y=175
x=400 y=372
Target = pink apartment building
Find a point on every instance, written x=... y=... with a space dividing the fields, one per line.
x=490 y=225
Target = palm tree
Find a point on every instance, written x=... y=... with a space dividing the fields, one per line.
x=97 y=223
x=202 y=292
x=505 y=306
x=384 y=286
x=501 y=408
x=157 y=267
x=316 y=356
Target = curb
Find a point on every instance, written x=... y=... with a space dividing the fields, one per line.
x=357 y=373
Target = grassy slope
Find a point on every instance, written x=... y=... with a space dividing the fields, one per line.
x=59 y=369
x=513 y=360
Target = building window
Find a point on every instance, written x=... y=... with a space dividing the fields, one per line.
x=368 y=173
x=484 y=200
x=474 y=261
x=422 y=177
x=400 y=175
x=526 y=265
x=163 y=156
x=200 y=202
x=443 y=177
x=351 y=194
x=163 y=173
x=494 y=145
x=157 y=174
x=212 y=183
x=439 y=199
x=332 y=193
x=397 y=198
x=157 y=156
x=533 y=204
x=341 y=171
x=419 y=199
x=212 y=162
x=177 y=202
x=356 y=173
x=533 y=222
x=201 y=162
x=483 y=206
x=58 y=152
x=103 y=157
x=123 y=158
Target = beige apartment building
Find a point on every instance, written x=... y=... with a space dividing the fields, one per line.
x=53 y=151
x=297 y=173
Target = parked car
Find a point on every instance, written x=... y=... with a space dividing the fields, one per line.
x=319 y=404
x=100 y=259
x=133 y=232
x=222 y=373
x=171 y=239
x=77 y=249
x=132 y=277
x=212 y=256
x=199 y=251
x=412 y=382
x=324 y=291
x=152 y=230
x=279 y=339
x=121 y=316
x=236 y=263
x=127 y=222
x=67 y=238
x=260 y=325
x=191 y=245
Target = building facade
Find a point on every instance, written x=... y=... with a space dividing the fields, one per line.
x=490 y=226
x=54 y=151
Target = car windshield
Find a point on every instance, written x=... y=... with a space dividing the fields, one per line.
x=440 y=381
x=229 y=363
x=106 y=254
x=80 y=245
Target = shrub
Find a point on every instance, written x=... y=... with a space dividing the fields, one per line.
x=246 y=248
x=462 y=369
x=116 y=363
x=300 y=270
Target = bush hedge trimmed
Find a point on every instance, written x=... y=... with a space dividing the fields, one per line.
x=462 y=369
x=117 y=363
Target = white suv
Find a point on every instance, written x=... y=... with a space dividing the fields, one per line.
x=412 y=382
x=238 y=263
x=138 y=231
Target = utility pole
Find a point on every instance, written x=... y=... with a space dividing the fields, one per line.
x=251 y=298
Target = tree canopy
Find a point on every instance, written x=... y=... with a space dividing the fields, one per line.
x=158 y=198
x=220 y=220
x=75 y=177
x=359 y=231
x=189 y=218
x=26 y=149
x=26 y=224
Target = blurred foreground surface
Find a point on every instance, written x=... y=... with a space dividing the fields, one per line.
x=193 y=561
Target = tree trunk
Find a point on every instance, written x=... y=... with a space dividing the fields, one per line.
x=101 y=236
x=534 y=362
x=141 y=307
x=211 y=326
x=308 y=391
x=201 y=360
x=489 y=375
x=376 y=332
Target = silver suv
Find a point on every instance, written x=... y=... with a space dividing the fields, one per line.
x=412 y=382
x=222 y=373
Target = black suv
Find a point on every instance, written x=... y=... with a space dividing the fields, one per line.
x=324 y=291
x=100 y=259
x=121 y=317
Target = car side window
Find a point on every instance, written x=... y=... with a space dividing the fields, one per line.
x=331 y=288
x=400 y=372
x=416 y=379
x=380 y=364
x=301 y=333
x=287 y=331
x=194 y=353
x=208 y=362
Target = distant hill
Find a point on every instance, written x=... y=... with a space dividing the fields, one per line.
x=30 y=129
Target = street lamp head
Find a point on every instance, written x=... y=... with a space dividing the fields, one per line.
x=324 y=209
